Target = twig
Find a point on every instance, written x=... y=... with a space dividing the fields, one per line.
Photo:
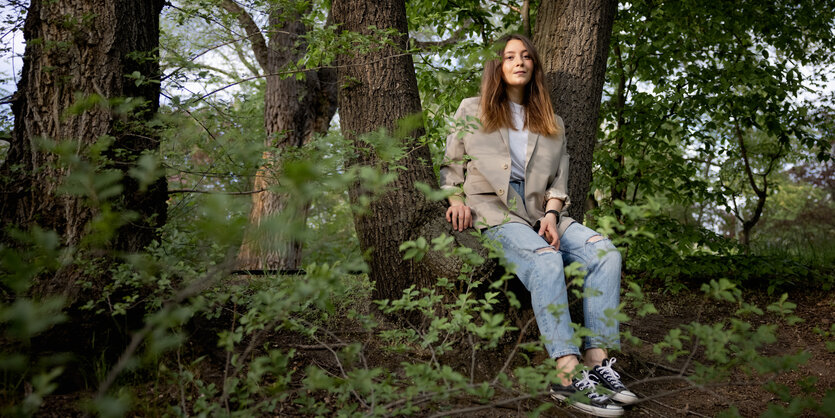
x=488 y=406
x=692 y=353
x=690 y=387
x=205 y=128
x=413 y=401
x=513 y=352
x=239 y=364
x=453 y=39
x=229 y=353
x=202 y=173
x=663 y=367
x=508 y=5
x=416 y=400
x=198 y=55
x=314 y=346
x=339 y=364
x=194 y=288
x=472 y=358
x=180 y=383
x=679 y=411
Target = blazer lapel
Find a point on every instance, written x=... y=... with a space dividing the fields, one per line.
x=503 y=132
x=532 y=140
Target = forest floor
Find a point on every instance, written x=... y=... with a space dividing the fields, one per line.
x=747 y=393
x=648 y=374
x=655 y=379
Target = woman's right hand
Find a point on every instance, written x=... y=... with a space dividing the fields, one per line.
x=460 y=216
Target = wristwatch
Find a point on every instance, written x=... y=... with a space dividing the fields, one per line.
x=555 y=212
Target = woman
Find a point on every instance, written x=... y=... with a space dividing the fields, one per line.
x=514 y=176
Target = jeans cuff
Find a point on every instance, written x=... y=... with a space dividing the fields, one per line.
x=598 y=342
x=563 y=353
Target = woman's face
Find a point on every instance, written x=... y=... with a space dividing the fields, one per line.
x=517 y=64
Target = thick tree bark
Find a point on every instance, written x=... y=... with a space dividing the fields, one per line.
x=76 y=49
x=572 y=37
x=378 y=89
x=294 y=111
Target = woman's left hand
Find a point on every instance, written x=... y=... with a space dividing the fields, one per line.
x=548 y=229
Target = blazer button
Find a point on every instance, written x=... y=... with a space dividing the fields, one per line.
x=501 y=192
x=505 y=166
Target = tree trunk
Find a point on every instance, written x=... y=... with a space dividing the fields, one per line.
x=294 y=111
x=378 y=89
x=77 y=49
x=572 y=37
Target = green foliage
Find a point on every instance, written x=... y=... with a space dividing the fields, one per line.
x=22 y=318
x=829 y=335
x=677 y=256
x=699 y=94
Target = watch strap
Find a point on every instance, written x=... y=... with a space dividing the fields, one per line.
x=555 y=212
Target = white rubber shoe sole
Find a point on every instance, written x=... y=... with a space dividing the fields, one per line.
x=608 y=410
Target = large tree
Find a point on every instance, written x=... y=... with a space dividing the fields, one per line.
x=573 y=37
x=378 y=90
x=295 y=109
x=90 y=77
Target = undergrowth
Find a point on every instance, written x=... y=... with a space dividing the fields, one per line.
x=211 y=344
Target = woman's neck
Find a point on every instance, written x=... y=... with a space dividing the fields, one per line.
x=515 y=94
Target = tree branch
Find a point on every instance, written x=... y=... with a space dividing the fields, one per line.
x=510 y=6
x=453 y=39
x=239 y=51
x=259 y=44
x=176 y=191
x=744 y=152
x=303 y=70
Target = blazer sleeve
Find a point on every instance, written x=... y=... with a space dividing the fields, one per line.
x=559 y=187
x=453 y=165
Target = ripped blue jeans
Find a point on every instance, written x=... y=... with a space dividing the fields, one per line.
x=540 y=269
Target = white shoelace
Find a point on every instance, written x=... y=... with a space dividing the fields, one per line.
x=610 y=374
x=587 y=383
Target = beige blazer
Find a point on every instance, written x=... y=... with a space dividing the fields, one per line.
x=476 y=166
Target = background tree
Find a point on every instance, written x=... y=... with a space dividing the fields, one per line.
x=296 y=107
x=88 y=86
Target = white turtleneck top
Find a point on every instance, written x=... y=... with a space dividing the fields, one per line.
x=518 y=141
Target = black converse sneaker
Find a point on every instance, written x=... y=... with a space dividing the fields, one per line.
x=580 y=395
x=610 y=380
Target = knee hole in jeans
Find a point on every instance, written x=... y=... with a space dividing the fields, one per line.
x=594 y=238
x=544 y=250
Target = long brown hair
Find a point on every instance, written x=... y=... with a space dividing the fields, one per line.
x=495 y=109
